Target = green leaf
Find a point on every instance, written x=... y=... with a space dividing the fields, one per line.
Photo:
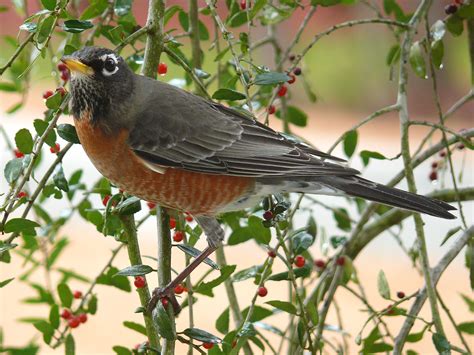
x=382 y=285
x=342 y=219
x=417 y=61
x=29 y=26
x=136 y=327
x=9 y=87
x=95 y=8
x=304 y=271
x=393 y=54
x=294 y=116
x=121 y=350
x=45 y=28
x=170 y=11
x=222 y=322
x=378 y=348
x=258 y=313
x=193 y=252
x=122 y=7
x=68 y=132
x=40 y=128
x=135 y=270
x=203 y=32
x=350 y=142
x=416 y=337
x=247 y=273
x=13 y=170
x=441 y=343
x=92 y=305
x=21 y=225
x=59 y=179
x=65 y=295
x=466 y=11
x=301 y=241
x=271 y=78
x=24 y=141
x=128 y=207
x=49 y=4
x=76 y=26
x=53 y=102
x=284 y=306
x=206 y=288
x=312 y=313
x=54 y=316
x=239 y=235
x=6 y=282
x=325 y=2
x=466 y=327
x=201 y=335
x=70 y=345
x=455 y=25
x=450 y=233
x=469 y=302
x=6 y=247
x=228 y=94
x=437 y=53
x=163 y=322
x=258 y=231
x=46 y=329
x=367 y=154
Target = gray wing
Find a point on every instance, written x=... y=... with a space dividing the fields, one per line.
x=181 y=130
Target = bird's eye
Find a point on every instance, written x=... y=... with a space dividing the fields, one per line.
x=109 y=65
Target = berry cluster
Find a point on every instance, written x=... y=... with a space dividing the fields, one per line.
x=50 y=93
x=74 y=320
x=283 y=89
x=453 y=7
x=64 y=72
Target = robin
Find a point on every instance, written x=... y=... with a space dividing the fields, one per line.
x=179 y=150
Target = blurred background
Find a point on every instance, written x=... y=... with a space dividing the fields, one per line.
x=348 y=72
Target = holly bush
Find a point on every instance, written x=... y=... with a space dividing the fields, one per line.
x=234 y=52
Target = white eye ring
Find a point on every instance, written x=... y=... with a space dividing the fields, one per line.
x=106 y=58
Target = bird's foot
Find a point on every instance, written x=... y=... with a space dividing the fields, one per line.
x=161 y=294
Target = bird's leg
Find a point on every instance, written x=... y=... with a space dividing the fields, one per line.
x=215 y=235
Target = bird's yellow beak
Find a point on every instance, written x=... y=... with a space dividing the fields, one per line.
x=75 y=65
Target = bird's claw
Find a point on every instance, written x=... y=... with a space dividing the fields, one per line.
x=161 y=293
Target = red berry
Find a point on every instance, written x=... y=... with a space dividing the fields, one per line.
x=244 y=3
x=262 y=291
x=340 y=261
x=83 y=317
x=172 y=223
x=401 y=294
x=65 y=76
x=450 y=9
x=162 y=68
x=292 y=80
x=55 y=149
x=62 y=67
x=442 y=154
x=297 y=71
x=178 y=236
x=209 y=345
x=189 y=218
x=460 y=146
x=151 y=205
x=272 y=253
x=179 y=289
x=434 y=164
x=77 y=294
x=433 y=176
x=66 y=314
x=18 y=154
x=300 y=260
x=105 y=200
x=61 y=90
x=139 y=282
x=271 y=109
x=282 y=91
x=74 y=322
x=164 y=302
x=319 y=263
x=268 y=215
x=22 y=194
x=47 y=94
x=292 y=57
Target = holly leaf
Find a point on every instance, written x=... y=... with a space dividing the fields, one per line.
x=135 y=270
x=283 y=306
x=201 y=335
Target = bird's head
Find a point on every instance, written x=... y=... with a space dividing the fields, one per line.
x=101 y=81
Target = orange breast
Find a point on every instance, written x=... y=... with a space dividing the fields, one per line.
x=199 y=194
